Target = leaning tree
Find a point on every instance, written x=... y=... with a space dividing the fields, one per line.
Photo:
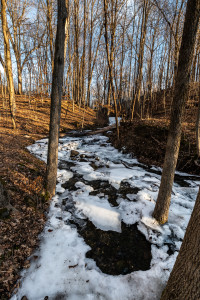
x=181 y=90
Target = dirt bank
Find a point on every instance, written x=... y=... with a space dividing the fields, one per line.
x=146 y=140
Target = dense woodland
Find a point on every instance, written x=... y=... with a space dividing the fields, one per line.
x=138 y=60
x=140 y=40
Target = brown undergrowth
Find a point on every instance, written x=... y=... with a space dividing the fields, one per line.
x=146 y=140
x=22 y=176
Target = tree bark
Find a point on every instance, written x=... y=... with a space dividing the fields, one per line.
x=8 y=63
x=145 y=16
x=180 y=96
x=50 y=31
x=198 y=128
x=184 y=279
x=56 y=94
x=110 y=56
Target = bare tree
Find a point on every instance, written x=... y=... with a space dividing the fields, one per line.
x=56 y=94
x=8 y=62
x=110 y=52
x=20 y=35
x=180 y=96
x=50 y=30
x=138 y=83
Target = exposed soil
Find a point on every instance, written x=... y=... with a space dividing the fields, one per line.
x=118 y=253
x=146 y=140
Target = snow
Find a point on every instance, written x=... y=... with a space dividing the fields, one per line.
x=98 y=210
x=112 y=120
x=60 y=266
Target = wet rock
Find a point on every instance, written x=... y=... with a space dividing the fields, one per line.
x=65 y=165
x=98 y=184
x=69 y=206
x=71 y=224
x=74 y=153
x=94 y=166
x=126 y=188
x=79 y=222
x=84 y=155
x=104 y=187
x=64 y=201
x=83 y=160
x=70 y=184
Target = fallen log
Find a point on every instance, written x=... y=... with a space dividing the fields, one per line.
x=85 y=133
x=101 y=130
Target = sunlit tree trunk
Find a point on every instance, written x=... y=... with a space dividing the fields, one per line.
x=83 y=56
x=56 y=94
x=180 y=96
x=50 y=31
x=8 y=63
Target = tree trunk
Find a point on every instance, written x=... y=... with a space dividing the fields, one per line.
x=50 y=31
x=19 y=71
x=110 y=57
x=56 y=94
x=184 y=279
x=89 y=79
x=198 y=129
x=145 y=16
x=180 y=96
x=8 y=63
x=83 y=64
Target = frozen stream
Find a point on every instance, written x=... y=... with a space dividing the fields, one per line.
x=96 y=182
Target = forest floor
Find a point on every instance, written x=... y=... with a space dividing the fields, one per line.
x=22 y=174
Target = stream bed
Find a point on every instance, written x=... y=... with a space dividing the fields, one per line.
x=100 y=240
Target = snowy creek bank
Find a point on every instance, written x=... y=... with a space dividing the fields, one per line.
x=100 y=240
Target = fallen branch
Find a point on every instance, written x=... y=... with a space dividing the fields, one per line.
x=101 y=130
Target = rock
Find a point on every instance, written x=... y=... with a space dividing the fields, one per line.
x=83 y=160
x=74 y=153
x=24 y=298
x=94 y=166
